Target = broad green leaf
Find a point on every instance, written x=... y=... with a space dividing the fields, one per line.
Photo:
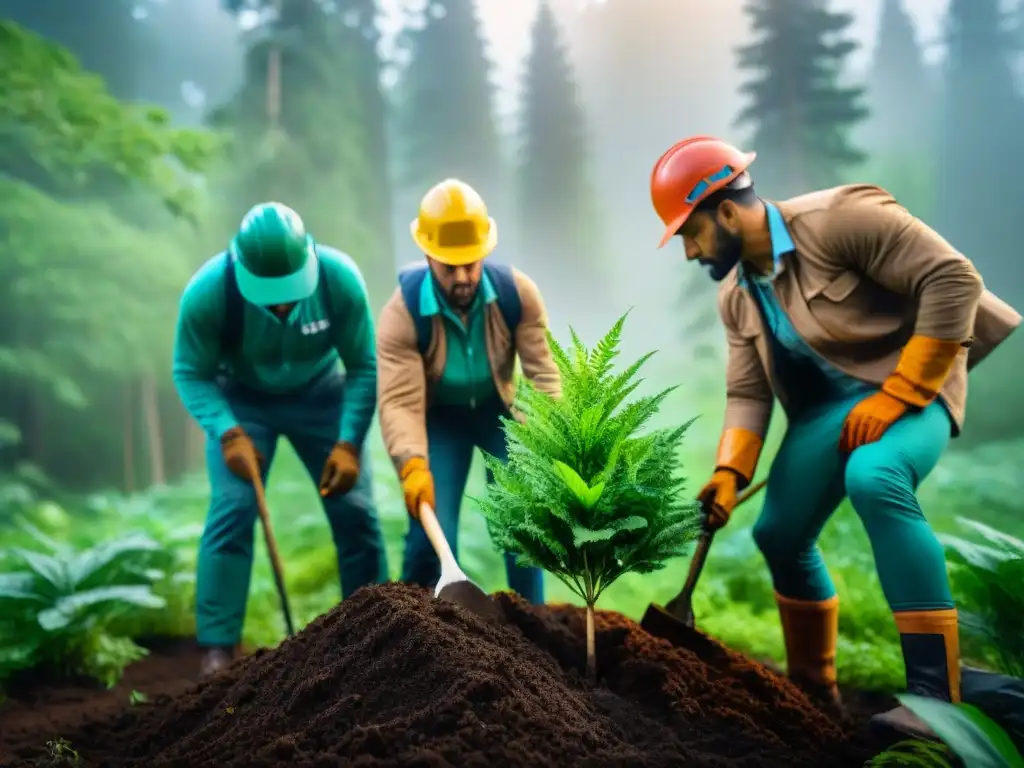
x=974 y=737
x=91 y=566
x=20 y=586
x=68 y=609
x=51 y=570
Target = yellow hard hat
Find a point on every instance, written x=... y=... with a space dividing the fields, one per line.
x=453 y=226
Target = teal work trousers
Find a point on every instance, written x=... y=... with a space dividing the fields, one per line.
x=809 y=479
x=309 y=419
x=453 y=433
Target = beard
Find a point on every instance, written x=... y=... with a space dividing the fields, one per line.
x=728 y=252
x=462 y=295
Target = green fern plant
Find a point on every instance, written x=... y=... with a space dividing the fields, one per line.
x=586 y=494
x=987 y=575
x=913 y=753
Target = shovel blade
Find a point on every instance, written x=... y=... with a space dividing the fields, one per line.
x=472 y=598
x=661 y=623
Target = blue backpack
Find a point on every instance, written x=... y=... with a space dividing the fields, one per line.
x=234 y=305
x=410 y=280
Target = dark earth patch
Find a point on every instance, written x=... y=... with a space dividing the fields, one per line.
x=392 y=677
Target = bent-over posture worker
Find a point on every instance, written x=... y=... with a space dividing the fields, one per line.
x=260 y=332
x=447 y=344
x=863 y=323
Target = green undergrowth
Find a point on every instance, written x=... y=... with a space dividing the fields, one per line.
x=733 y=602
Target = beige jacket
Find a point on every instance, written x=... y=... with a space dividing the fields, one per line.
x=405 y=377
x=865 y=277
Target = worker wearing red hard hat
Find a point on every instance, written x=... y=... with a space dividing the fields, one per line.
x=862 y=322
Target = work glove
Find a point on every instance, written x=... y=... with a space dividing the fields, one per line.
x=240 y=454
x=718 y=498
x=923 y=367
x=417 y=485
x=735 y=462
x=341 y=470
x=869 y=420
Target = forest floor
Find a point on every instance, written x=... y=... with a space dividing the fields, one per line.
x=392 y=677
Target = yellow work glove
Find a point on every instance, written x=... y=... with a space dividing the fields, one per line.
x=738 y=452
x=417 y=485
x=923 y=368
x=341 y=470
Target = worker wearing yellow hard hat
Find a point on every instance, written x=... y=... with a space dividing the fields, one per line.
x=447 y=344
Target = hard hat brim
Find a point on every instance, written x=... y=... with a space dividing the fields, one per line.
x=460 y=256
x=268 y=291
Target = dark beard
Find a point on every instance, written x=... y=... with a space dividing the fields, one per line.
x=728 y=252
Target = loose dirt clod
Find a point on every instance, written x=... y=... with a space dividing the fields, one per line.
x=393 y=677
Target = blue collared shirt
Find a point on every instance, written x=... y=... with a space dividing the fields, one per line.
x=467 y=379
x=798 y=368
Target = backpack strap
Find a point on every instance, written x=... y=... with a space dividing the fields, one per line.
x=234 y=309
x=509 y=303
x=410 y=281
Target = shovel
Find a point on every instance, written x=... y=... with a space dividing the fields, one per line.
x=275 y=556
x=454 y=585
x=677 y=616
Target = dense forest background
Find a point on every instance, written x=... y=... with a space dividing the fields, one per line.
x=136 y=134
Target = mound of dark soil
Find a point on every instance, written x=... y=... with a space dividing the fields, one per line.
x=393 y=677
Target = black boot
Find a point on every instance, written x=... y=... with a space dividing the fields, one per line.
x=931 y=653
x=216 y=659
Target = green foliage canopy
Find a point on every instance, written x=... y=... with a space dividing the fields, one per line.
x=61 y=129
x=585 y=495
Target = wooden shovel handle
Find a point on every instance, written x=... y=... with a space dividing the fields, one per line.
x=437 y=538
x=700 y=554
x=275 y=555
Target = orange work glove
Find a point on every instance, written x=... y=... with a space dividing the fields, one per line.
x=417 y=485
x=240 y=454
x=869 y=420
x=923 y=367
x=738 y=452
x=719 y=498
x=341 y=470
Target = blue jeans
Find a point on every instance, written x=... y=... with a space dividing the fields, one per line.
x=452 y=434
x=309 y=419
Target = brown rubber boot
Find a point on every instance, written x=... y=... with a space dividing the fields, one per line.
x=811 y=631
x=931 y=654
x=215 y=660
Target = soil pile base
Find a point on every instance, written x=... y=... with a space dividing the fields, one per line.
x=393 y=677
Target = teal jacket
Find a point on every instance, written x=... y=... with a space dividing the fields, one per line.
x=277 y=356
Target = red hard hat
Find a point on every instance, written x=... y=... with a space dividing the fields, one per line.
x=690 y=171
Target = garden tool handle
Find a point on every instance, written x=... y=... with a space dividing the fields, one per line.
x=700 y=555
x=272 y=550
x=438 y=541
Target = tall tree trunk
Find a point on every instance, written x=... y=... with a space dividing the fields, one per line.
x=154 y=434
x=128 y=440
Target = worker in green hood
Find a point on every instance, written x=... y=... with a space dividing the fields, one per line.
x=260 y=333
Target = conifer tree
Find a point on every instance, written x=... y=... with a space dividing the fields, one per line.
x=558 y=239
x=899 y=92
x=980 y=150
x=800 y=111
x=446 y=124
x=313 y=153
x=981 y=144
